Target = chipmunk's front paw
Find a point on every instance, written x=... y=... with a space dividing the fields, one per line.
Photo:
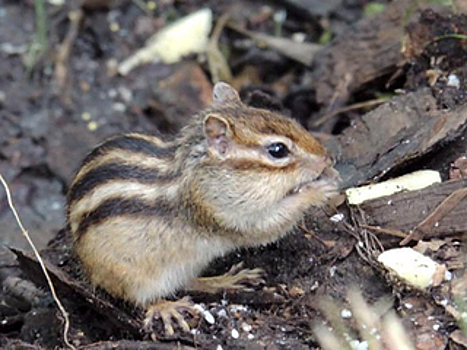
x=170 y=313
x=234 y=279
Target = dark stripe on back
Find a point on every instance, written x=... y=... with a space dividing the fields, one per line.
x=132 y=144
x=115 y=171
x=119 y=207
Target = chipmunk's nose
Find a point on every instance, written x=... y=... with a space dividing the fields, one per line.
x=327 y=171
x=329 y=160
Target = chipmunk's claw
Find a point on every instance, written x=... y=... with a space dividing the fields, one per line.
x=169 y=312
x=234 y=279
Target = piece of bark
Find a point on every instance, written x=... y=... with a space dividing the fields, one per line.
x=371 y=49
x=405 y=210
x=74 y=295
x=459 y=338
x=424 y=228
x=458 y=169
x=386 y=138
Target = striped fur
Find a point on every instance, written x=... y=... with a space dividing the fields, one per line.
x=122 y=169
x=147 y=215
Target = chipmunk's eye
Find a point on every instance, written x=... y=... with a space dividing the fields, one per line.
x=278 y=150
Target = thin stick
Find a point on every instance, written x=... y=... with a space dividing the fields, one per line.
x=61 y=70
x=447 y=205
x=360 y=105
x=41 y=262
x=396 y=233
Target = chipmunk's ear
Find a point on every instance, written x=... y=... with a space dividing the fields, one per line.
x=218 y=134
x=223 y=94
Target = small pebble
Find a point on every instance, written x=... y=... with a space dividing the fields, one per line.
x=209 y=317
x=112 y=93
x=337 y=217
x=57 y=2
x=235 y=334
x=251 y=337
x=222 y=313
x=92 y=126
x=299 y=37
x=280 y=16
x=114 y=27
x=356 y=345
x=346 y=313
x=125 y=93
x=151 y=5
x=119 y=107
x=112 y=67
x=236 y=308
x=86 y=116
x=453 y=81
x=206 y=314
x=246 y=327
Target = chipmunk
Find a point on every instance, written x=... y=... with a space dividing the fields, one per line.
x=147 y=215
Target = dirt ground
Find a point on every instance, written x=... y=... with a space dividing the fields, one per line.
x=385 y=91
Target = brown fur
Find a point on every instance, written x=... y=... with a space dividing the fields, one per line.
x=148 y=231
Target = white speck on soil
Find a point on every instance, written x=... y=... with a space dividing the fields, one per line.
x=346 y=313
x=235 y=334
x=337 y=217
x=453 y=81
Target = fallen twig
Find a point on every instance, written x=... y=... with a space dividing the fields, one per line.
x=61 y=71
x=218 y=66
x=436 y=216
x=355 y=106
x=41 y=262
x=387 y=231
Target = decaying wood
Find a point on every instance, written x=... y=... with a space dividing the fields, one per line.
x=404 y=211
x=74 y=294
x=407 y=127
x=425 y=227
x=371 y=49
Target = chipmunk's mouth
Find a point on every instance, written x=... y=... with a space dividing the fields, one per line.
x=300 y=187
x=322 y=180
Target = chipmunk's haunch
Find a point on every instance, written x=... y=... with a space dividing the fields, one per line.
x=147 y=215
